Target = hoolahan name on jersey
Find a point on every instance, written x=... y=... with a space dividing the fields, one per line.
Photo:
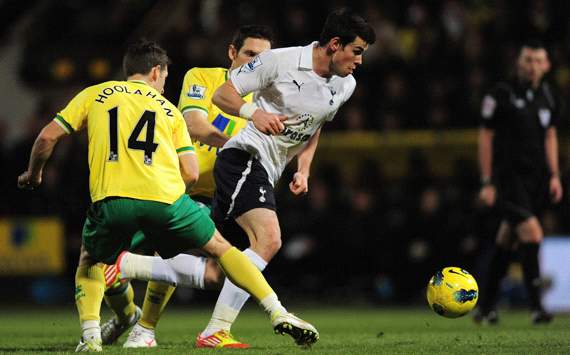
x=106 y=92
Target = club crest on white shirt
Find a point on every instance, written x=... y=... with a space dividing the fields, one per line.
x=333 y=93
x=196 y=92
x=544 y=115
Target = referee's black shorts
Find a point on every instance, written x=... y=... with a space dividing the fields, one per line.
x=522 y=196
x=242 y=184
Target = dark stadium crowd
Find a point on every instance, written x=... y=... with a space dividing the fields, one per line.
x=363 y=234
x=430 y=67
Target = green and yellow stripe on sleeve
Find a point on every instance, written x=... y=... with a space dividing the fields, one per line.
x=186 y=150
x=63 y=124
x=194 y=108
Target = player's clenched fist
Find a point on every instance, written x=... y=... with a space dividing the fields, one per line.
x=555 y=188
x=299 y=184
x=488 y=195
x=268 y=123
x=28 y=182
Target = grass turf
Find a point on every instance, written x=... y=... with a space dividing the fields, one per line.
x=371 y=330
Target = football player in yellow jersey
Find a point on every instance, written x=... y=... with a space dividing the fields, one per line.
x=141 y=163
x=210 y=128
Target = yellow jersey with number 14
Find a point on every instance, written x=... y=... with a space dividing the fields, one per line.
x=197 y=90
x=135 y=137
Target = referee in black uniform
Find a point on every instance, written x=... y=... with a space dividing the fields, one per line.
x=518 y=158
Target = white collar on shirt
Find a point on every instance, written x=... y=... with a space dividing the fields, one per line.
x=306 y=59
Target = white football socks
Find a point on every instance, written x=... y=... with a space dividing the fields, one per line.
x=189 y=269
x=138 y=267
x=272 y=305
x=183 y=269
x=231 y=300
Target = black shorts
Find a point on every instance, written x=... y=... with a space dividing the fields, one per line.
x=522 y=196
x=242 y=184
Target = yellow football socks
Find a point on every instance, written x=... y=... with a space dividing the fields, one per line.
x=241 y=271
x=156 y=298
x=121 y=300
x=89 y=290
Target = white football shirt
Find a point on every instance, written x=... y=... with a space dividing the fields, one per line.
x=283 y=82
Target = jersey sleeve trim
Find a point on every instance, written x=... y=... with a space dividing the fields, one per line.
x=193 y=108
x=185 y=150
x=64 y=124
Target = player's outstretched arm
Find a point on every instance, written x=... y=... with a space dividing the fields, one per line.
x=41 y=152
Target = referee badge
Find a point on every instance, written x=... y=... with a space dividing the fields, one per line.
x=544 y=115
x=488 y=107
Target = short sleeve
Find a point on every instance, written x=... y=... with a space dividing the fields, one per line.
x=74 y=116
x=195 y=94
x=257 y=74
x=557 y=104
x=182 y=141
x=488 y=110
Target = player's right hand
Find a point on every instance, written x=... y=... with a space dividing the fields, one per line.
x=555 y=188
x=27 y=182
x=299 y=185
x=488 y=195
x=268 y=123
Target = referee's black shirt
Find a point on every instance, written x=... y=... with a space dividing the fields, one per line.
x=519 y=116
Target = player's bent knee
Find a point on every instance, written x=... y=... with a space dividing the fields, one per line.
x=217 y=245
x=274 y=244
x=269 y=244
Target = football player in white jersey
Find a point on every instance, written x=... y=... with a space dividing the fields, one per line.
x=296 y=90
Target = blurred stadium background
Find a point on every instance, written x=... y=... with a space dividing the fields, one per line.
x=394 y=185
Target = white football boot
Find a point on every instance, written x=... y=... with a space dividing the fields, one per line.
x=140 y=337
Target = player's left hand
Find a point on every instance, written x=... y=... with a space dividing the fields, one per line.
x=300 y=184
x=555 y=189
x=28 y=182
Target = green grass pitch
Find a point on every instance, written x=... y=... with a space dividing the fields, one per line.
x=359 y=330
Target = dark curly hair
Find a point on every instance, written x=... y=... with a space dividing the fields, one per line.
x=346 y=25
